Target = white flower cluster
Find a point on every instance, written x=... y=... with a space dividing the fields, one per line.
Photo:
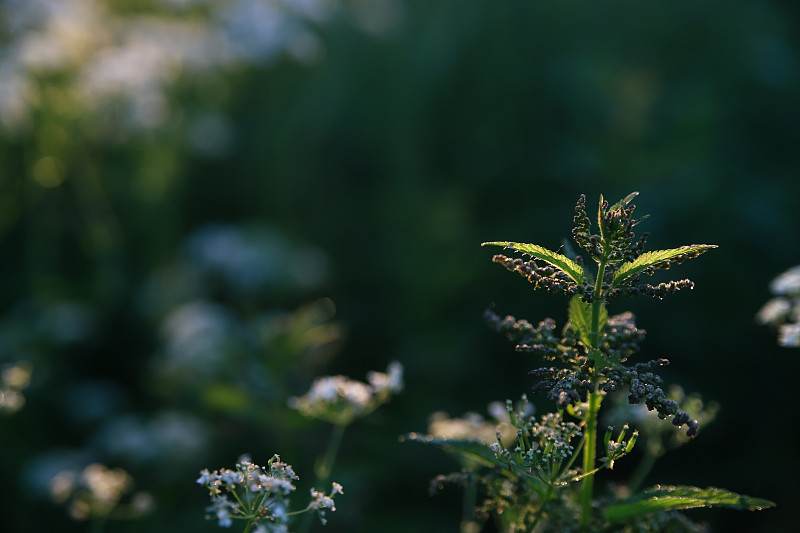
x=339 y=400
x=97 y=492
x=14 y=379
x=321 y=501
x=472 y=426
x=783 y=311
x=116 y=57
x=258 y=494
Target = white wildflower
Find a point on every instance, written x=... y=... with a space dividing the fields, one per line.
x=787 y=283
x=774 y=311
x=789 y=335
x=339 y=399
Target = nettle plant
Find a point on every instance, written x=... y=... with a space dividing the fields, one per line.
x=541 y=477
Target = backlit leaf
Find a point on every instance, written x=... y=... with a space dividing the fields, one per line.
x=657 y=259
x=561 y=262
x=470 y=449
x=625 y=201
x=670 y=498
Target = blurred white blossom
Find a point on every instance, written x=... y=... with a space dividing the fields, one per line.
x=473 y=426
x=197 y=335
x=340 y=400
x=789 y=335
x=248 y=259
x=129 y=62
x=169 y=437
x=14 y=378
x=97 y=492
x=782 y=312
x=788 y=283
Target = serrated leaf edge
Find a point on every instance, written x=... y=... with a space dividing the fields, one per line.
x=561 y=262
x=681 y=497
x=654 y=258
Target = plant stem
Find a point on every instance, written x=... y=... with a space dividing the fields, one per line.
x=645 y=465
x=541 y=508
x=593 y=399
x=323 y=469
x=589 y=455
x=468 y=509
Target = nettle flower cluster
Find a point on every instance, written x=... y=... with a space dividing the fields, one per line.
x=260 y=495
x=339 y=399
x=783 y=310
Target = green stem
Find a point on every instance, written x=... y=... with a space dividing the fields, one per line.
x=468 y=509
x=593 y=400
x=541 y=508
x=323 y=469
x=589 y=456
x=644 y=467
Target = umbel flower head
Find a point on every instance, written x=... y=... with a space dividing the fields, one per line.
x=259 y=495
x=339 y=400
x=593 y=348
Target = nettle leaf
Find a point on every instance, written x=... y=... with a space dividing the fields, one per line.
x=658 y=259
x=477 y=452
x=471 y=449
x=622 y=203
x=561 y=262
x=580 y=315
x=672 y=498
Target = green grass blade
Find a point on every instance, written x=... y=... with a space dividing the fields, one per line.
x=671 y=498
x=658 y=259
x=561 y=262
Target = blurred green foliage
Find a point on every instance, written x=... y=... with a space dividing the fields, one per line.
x=355 y=153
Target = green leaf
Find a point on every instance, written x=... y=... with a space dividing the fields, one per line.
x=622 y=203
x=657 y=259
x=470 y=449
x=600 y=219
x=670 y=498
x=580 y=315
x=477 y=452
x=561 y=262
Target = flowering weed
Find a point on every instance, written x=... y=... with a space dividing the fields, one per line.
x=260 y=495
x=534 y=481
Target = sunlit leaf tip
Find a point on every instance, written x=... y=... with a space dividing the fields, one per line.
x=659 y=259
x=670 y=498
x=566 y=265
